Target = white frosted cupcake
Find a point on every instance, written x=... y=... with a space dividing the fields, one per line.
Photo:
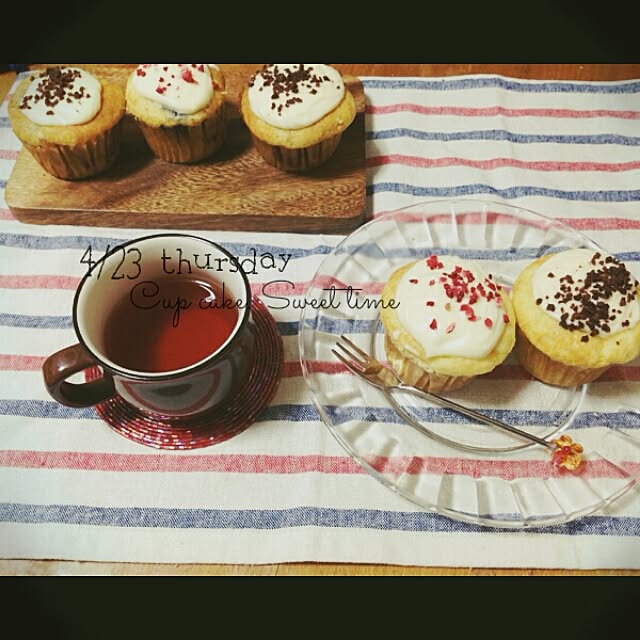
x=578 y=313
x=297 y=113
x=445 y=322
x=69 y=120
x=180 y=109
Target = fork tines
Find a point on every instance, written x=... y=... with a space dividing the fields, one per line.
x=355 y=363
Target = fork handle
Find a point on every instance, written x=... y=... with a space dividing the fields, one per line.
x=480 y=417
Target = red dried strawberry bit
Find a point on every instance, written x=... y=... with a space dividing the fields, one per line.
x=469 y=276
x=466 y=308
x=433 y=262
x=161 y=89
x=434 y=324
x=488 y=322
x=431 y=283
x=141 y=72
x=451 y=327
x=430 y=303
x=506 y=318
x=187 y=76
x=201 y=68
x=473 y=297
x=215 y=85
x=413 y=281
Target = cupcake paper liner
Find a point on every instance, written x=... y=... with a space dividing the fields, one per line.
x=186 y=144
x=80 y=161
x=412 y=374
x=544 y=368
x=301 y=159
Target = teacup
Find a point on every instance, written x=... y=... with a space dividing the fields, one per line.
x=167 y=318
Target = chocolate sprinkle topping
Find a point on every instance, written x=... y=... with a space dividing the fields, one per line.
x=288 y=82
x=55 y=86
x=586 y=304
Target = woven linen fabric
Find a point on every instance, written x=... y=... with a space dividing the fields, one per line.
x=284 y=489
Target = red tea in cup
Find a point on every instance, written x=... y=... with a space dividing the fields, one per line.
x=169 y=323
x=167 y=318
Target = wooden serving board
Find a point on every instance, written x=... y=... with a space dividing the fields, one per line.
x=234 y=190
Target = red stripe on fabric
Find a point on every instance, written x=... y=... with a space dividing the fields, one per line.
x=505 y=469
x=39 y=282
x=8 y=154
x=600 y=224
x=293 y=369
x=276 y=287
x=497 y=163
x=10 y=362
x=501 y=111
x=287 y=464
x=489 y=217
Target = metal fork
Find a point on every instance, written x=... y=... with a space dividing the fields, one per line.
x=375 y=373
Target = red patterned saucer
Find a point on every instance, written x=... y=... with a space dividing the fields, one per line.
x=221 y=422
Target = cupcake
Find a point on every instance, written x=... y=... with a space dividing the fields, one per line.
x=297 y=113
x=180 y=109
x=578 y=313
x=445 y=323
x=69 y=120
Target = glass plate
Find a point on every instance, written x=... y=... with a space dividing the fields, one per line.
x=435 y=457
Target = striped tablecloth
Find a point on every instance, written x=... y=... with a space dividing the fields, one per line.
x=284 y=490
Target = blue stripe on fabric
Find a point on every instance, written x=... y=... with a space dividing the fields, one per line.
x=3 y=184
x=99 y=245
x=441 y=84
x=274 y=519
x=308 y=413
x=631 y=195
x=322 y=324
x=503 y=135
x=339 y=415
x=66 y=322
x=35 y=322
x=5 y=122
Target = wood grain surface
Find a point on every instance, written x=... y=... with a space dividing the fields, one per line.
x=23 y=567
x=235 y=189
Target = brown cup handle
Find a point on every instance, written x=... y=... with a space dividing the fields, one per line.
x=63 y=364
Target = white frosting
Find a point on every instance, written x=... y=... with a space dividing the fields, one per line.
x=610 y=284
x=450 y=307
x=293 y=96
x=62 y=96
x=183 y=88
